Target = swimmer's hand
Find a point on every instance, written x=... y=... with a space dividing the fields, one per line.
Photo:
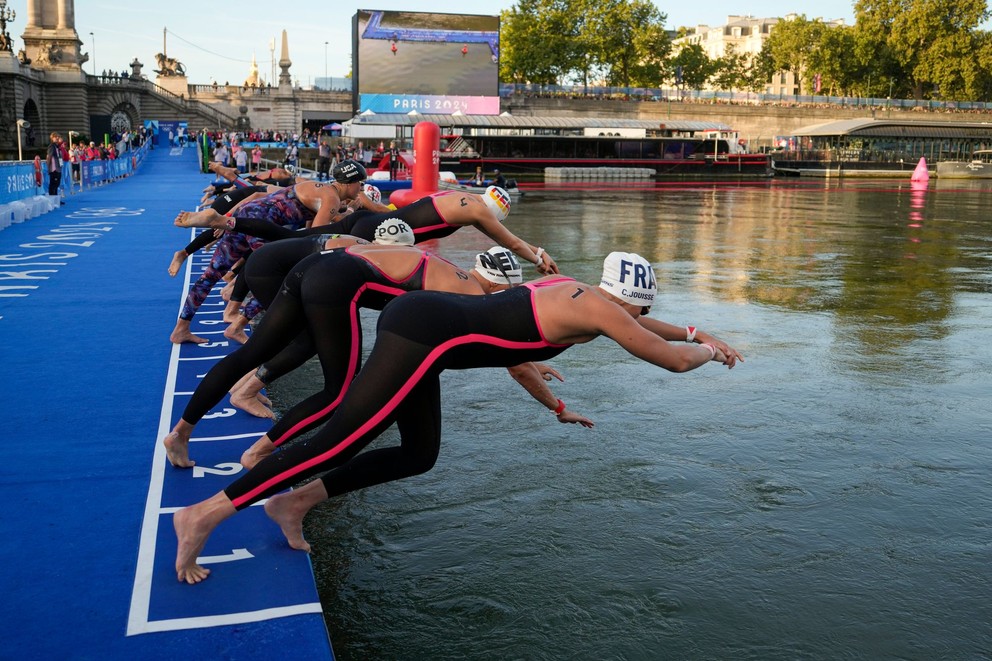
x=546 y=372
x=572 y=417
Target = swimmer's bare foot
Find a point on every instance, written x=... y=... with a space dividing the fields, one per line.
x=251 y=404
x=250 y=386
x=193 y=526
x=181 y=333
x=226 y=292
x=177 y=449
x=236 y=331
x=262 y=448
x=178 y=259
x=232 y=311
x=241 y=382
x=181 y=338
x=288 y=511
x=205 y=218
x=222 y=170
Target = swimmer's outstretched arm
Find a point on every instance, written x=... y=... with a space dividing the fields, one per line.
x=533 y=377
x=674 y=333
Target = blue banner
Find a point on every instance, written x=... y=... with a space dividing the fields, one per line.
x=17 y=181
x=99 y=172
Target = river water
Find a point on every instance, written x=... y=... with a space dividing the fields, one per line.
x=829 y=498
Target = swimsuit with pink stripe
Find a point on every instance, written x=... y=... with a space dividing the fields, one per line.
x=323 y=294
x=419 y=335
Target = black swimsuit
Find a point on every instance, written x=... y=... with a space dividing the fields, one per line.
x=419 y=335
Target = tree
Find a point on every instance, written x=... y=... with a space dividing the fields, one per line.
x=730 y=72
x=793 y=45
x=760 y=71
x=695 y=65
x=931 y=43
x=836 y=62
x=628 y=40
x=539 y=42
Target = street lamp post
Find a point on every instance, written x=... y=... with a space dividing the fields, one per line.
x=5 y=16
x=21 y=124
x=93 y=37
x=325 y=66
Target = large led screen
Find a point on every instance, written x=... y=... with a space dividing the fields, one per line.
x=431 y=63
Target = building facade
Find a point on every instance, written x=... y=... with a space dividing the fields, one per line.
x=746 y=35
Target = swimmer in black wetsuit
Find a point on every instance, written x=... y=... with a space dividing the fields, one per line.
x=239 y=290
x=263 y=276
x=323 y=293
x=432 y=217
x=400 y=383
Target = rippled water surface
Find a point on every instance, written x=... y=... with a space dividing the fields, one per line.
x=829 y=498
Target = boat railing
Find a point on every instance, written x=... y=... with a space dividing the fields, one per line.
x=459 y=146
x=851 y=156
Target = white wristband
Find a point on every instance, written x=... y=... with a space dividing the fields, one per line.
x=690 y=333
x=711 y=348
x=538 y=253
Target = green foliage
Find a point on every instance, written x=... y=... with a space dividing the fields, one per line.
x=924 y=48
x=932 y=46
x=548 y=41
x=539 y=42
x=733 y=71
x=796 y=45
x=696 y=66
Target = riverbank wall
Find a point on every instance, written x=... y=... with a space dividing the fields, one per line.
x=757 y=124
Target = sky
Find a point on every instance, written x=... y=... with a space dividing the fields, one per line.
x=216 y=41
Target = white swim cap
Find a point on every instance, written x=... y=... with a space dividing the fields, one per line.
x=629 y=277
x=498 y=201
x=499 y=265
x=372 y=192
x=394 y=232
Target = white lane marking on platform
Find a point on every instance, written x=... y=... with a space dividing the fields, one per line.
x=233 y=556
x=138 y=615
x=231 y=618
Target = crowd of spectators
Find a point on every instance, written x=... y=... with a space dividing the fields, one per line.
x=118 y=145
x=302 y=139
x=241 y=149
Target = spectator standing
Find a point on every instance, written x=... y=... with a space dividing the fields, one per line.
x=220 y=154
x=323 y=160
x=241 y=159
x=256 y=158
x=394 y=160
x=292 y=152
x=92 y=153
x=54 y=162
x=76 y=157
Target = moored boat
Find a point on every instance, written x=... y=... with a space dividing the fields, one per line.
x=525 y=146
x=979 y=167
x=448 y=184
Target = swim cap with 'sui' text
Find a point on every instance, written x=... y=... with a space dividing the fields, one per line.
x=499 y=265
x=372 y=192
x=498 y=201
x=394 y=232
x=629 y=277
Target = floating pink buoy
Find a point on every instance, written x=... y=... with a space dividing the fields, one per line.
x=921 y=173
